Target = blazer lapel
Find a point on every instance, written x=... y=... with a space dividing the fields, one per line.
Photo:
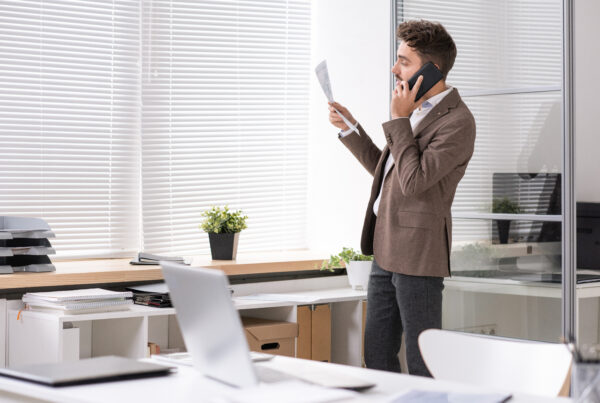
x=384 y=156
x=387 y=155
x=378 y=179
x=450 y=101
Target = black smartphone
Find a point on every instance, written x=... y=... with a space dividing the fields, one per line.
x=431 y=76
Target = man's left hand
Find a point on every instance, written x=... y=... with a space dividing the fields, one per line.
x=403 y=99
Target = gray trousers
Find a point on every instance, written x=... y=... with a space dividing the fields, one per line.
x=398 y=303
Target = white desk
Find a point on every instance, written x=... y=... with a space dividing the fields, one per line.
x=189 y=386
x=519 y=309
x=518 y=288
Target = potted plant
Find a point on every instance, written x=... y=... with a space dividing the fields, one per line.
x=358 y=267
x=223 y=227
x=504 y=206
x=473 y=258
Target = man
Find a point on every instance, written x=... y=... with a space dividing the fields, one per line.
x=408 y=224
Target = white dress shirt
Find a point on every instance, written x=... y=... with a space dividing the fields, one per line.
x=416 y=117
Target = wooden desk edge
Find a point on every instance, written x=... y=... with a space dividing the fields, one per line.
x=101 y=271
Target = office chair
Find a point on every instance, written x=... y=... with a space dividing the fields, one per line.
x=518 y=366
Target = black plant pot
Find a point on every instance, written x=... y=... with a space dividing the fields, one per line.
x=503 y=230
x=223 y=246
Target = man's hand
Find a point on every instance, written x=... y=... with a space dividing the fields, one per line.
x=403 y=99
x=336 y=120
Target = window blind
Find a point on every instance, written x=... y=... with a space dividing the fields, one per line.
x=225 y=120
x=69 y=120
x=508 y=71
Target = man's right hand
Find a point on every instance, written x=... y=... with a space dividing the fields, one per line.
x=336 y=120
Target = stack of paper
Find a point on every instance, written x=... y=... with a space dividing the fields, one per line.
x=430 y=396
x=78 y=301
x=292 y=391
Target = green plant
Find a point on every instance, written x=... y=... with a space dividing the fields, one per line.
x=222 y=220
x=473 y=256
x=506 y=206
x=346 y=255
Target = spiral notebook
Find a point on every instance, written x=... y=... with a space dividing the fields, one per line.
x=76 y=295
x=83 y=307
x=78 y=301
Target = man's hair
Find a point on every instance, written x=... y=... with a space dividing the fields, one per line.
x=431 y=41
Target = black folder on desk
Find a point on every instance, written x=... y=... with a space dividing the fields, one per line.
x=156 y=300
x=156 y=295
x=144 y=258
x=90 y=370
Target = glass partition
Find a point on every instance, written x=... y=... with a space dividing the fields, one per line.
x=507 y=230
x=506 y=285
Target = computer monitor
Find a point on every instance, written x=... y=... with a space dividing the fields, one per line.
x=540 y=193
x=535 y=193
x=588 y=236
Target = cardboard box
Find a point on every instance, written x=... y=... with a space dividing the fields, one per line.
x=270 y=336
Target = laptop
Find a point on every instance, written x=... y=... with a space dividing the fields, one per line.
x=213 y=333
x=90 y=370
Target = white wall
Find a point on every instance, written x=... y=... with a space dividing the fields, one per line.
x=354 y=37
x=587 y=91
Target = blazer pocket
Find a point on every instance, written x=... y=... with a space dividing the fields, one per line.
x=416 y=220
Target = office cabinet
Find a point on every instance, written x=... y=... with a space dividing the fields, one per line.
x=35 y=337
x=314 y=332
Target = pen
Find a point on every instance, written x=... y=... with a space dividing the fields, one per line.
x=572 y=348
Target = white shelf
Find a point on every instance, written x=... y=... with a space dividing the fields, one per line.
x=134 y=311
x=40 y=337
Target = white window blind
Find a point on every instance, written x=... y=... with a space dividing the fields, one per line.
x=508 y=71
x=69 y=120
x=225 y=120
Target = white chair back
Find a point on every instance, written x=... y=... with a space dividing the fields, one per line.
x=519 y=366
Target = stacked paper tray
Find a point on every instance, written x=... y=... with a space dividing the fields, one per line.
x=24 y=245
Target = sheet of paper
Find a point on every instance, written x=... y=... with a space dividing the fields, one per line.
x=290 y=392
x=323 y=76
x=428 y=396
x=280 y=297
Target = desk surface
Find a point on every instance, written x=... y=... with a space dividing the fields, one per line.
x=104 y=271
x=515 y=287
x=187 y=385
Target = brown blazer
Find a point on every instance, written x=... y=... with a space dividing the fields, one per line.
x=412 y=232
